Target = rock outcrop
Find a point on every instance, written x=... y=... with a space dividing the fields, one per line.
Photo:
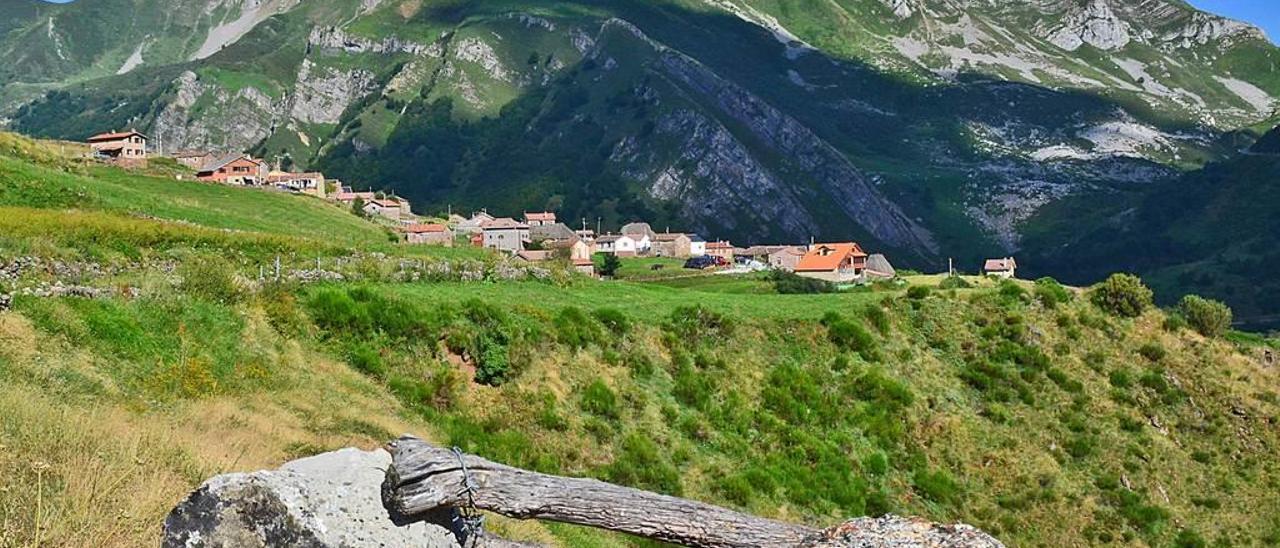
x=330 y=500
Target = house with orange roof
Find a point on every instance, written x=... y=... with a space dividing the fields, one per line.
x=722 y=249
x=837 y=263
x=120 y=146
x=427 y=233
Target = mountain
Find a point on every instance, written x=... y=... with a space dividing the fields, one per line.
x=146 y=343
x=1211 y=231
x=929 y=129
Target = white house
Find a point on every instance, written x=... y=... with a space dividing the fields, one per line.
x=617 y=244
x=697 y=246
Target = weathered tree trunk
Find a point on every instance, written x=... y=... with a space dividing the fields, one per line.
x=424 y=477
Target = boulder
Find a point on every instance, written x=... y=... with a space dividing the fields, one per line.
x=892 y=531
x=329 y=500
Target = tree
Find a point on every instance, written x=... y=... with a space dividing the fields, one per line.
x=1123 y=295
x=1209 y=317
x=357 y=207
x=610 y=266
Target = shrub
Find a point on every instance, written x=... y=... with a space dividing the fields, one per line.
x=937 y=486
x=609 y=267
x=1011 y=291
x=790 y=283
x=1050 y=293
x=878 y=318
x=613 y=319
x=698 y=322
x=851 y=336
x=1123 y=295
x=576 y=329
x=1188 y=538
x=642 y=464
x=917 y=292
x=494 y=364
x=209 y=277
x=1208 y=317
x=1174 y=322
x=954 y=282
x=598 y=399
x=1153 y=351
x=366 y=359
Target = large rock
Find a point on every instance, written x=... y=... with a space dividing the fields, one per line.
x=329 y=500
x=900 y=532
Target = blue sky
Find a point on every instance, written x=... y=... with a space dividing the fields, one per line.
x=1263 y=13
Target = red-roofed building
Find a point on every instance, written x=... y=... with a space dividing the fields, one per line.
x=838 y=263
x=540 y=219
x=234 y=169
x=1002 y=268
x=124 y=146
x=390 y=209
x=436 y=234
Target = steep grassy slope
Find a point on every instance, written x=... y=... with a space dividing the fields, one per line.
x=59 y=179
x=1044 y=421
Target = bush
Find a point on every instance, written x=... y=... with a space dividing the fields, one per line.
x=614 y=320
x=1123 y=295
x=789 y=283
x=1209 y=317
x=698 y=323
x=609 y=267
x=366 y=358
x=494 y=363
x=210 y=278
x=937 y=486
x=1174 y=322
x=1153 y=351
x=1050 y=293
x=954 y=282
x=917 y=292
x=598 y=399
x=850 y=336
x=576 y=329
x=878 y=318
x=1011 y=291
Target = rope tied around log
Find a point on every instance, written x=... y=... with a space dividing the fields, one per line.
x=470 y=516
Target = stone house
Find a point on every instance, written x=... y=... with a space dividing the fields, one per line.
x=506 y=234
x=721 y=249
x=432 y=234
x=672 y=244
x=785 y=258
x=194 y=159
x=234 y=169
x=837 y=263
x=390 y=209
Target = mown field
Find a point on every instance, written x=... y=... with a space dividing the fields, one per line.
x=1025 y=409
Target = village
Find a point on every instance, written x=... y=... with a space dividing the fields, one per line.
x=533 y=236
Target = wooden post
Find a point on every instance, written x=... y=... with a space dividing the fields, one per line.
x=423 y=478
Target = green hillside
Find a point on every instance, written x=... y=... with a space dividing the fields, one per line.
x=1024 y=409
x=1210 y=232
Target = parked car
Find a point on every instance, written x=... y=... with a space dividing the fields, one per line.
x=721 y=261
x=702 y=263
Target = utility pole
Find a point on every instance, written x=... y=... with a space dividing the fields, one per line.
x=951 y=271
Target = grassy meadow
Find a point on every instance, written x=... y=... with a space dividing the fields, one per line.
x=1028 y=410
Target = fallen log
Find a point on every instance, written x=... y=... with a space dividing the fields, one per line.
x=424 y=478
